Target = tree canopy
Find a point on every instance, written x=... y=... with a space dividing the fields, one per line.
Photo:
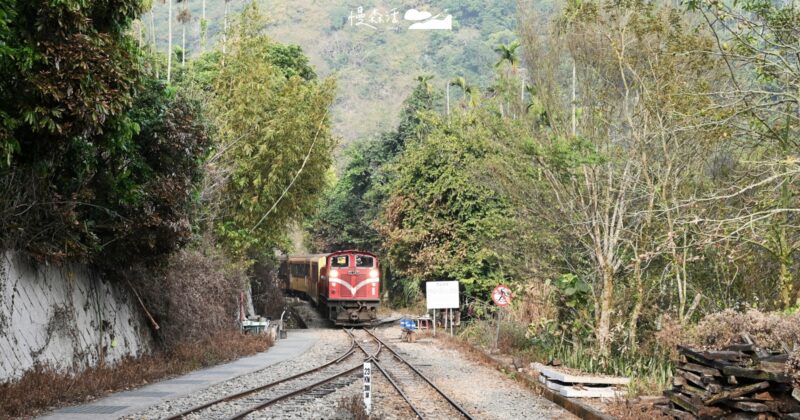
x=274 y=139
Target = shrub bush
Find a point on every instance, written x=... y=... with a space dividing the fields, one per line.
x=268 y=300
x=194 y=296
x=768 y=329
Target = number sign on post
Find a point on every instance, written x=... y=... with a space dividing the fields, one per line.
x=368 y=387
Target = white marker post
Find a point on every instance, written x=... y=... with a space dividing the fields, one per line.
x=368 y=387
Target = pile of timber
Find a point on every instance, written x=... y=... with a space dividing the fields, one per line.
x=739 y=381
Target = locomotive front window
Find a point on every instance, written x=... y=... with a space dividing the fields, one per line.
x=364 y=261
x=340 y=261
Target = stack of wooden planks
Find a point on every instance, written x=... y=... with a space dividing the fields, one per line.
x=581 y=385
x=738 y=381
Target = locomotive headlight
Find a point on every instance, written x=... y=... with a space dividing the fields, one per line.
x=335 y=273
x=373 y=273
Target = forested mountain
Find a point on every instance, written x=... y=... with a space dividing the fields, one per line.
x=375 y=68
x=630 y=170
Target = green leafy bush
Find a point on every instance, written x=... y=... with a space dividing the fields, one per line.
x=100 y=159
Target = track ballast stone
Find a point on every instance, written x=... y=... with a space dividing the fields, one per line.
x=484 y=392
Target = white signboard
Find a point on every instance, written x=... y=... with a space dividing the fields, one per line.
x=368 y=387
x=442 y=294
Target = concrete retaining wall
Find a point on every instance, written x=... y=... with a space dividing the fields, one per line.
x=65 y=317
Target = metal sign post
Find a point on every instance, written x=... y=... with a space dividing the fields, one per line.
x=434 y=322
x=442 y=295
x=497 y=333
x=368 y=387
x=452 y=325
x=501 y=296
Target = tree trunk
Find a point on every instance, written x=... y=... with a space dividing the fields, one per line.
x=574 y=105
x=788 y=293
x=153 y=36
x=448 y=99
x=637 y=307
x=183 y=47
x=169 y=42
x=153 y=27
x=786 y=247
x=603 y=331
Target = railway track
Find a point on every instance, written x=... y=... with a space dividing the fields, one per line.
x=290 y=394
x=311 y=383
x=424 y=398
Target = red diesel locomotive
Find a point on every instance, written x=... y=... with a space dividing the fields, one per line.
x=344 y=284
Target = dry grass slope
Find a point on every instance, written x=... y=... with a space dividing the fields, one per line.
x=43 y=388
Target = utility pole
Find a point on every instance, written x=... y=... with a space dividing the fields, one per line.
x=169 y=43
x=203 y=28
x=224 y=31
x=153 y=35
x=448 y=99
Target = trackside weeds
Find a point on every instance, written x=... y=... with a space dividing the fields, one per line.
x=44 y=388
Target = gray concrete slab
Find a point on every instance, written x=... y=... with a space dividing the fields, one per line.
x=125 y=403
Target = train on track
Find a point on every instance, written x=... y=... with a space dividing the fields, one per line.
x=345 y=285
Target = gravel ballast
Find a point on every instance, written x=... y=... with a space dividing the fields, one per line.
x=484 y=392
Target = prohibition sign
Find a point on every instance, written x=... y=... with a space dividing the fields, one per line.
x=501 y=295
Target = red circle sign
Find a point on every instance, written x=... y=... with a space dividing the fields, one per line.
x=501 y=295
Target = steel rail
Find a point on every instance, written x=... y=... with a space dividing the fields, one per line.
x=373 y=357
x=242 y=394
x=242 y=414
x=404 y=361
x=397 y=387
x=369 y=356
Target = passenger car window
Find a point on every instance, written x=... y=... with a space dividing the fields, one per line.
x=299 y=270
x=340 y=261
x=364 y=261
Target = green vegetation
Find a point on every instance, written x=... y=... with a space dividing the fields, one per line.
x=170 y=187
x=629 y=168
x=350 y=206
x=271 y=116
x=99 y=158
x=450 y=208
x=642 y=176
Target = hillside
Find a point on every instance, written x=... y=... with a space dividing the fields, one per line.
x=375 y=68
